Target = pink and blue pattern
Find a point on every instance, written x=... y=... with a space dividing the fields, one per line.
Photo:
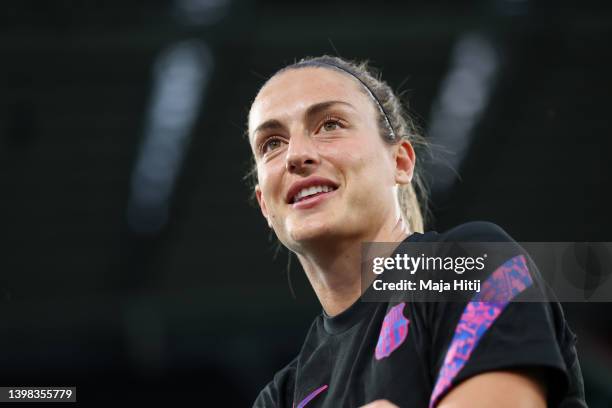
x=393 y=332
x=501 y=287
x=311 y=396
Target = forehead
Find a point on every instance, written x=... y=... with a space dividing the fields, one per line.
x=291 y=92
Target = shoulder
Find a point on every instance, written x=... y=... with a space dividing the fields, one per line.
x=508 y=334
x=279 y=391
x=474 y=231
x=481 y=241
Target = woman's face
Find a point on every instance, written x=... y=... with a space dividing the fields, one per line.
x=324 y=171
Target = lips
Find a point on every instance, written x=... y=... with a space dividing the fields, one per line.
x=309 y=187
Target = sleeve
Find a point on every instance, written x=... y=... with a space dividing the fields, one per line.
x=279 y=392
x=477 y=336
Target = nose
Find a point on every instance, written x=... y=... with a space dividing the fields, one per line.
x=302 y=156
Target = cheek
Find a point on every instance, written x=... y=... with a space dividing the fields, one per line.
x=269 y=178
x=370 y=160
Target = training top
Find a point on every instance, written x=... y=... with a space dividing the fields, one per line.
x=414 y=353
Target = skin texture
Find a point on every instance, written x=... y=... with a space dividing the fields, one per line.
x=319 y=122
x=503 y=389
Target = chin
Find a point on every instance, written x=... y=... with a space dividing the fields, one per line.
x=308 y=234
x=311 y=232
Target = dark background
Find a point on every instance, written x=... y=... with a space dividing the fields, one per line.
x=132 y=264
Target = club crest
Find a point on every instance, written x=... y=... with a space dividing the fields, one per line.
x=393 y=332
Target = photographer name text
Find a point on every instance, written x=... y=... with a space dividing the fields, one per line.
x=429 y=285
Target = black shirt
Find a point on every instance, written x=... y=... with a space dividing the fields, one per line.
x=413 y=353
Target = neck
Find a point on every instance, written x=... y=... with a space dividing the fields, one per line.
x=333 y=267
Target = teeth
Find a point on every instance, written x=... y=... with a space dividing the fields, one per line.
x=310 y=191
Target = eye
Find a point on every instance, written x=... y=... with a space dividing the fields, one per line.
x=270 y=144
x=331 y=124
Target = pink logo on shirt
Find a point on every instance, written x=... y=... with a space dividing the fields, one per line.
x=393 y=332
x=311 y=396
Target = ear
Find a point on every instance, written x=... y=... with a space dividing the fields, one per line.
x=262 y=204
x=404 y=162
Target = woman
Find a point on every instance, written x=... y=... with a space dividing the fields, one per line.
x=335 y=167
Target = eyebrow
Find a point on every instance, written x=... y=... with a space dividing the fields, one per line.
x=312 y=110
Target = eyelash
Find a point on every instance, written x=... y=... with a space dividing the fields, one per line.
x=263 y=145
x=331 y=119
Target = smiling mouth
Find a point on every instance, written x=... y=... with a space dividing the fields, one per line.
x=311 y=192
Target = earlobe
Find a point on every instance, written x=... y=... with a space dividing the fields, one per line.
x=404 y=162
x=262 y=204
